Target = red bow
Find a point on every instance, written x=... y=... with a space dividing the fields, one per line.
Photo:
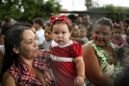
x=53 y=19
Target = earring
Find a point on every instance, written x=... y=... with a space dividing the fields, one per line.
x=15 y=51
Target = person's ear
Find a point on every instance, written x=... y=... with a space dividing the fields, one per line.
x=16 y=50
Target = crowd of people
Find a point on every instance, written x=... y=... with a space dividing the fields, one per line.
x=64 y=52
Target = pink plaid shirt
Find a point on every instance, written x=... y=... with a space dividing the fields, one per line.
x=23 y=78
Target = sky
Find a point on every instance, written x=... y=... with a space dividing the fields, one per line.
x=78 y=5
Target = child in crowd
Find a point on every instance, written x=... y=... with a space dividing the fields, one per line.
x=48 y=38
x=66 y=55
x=83 y=35
x=117 y=35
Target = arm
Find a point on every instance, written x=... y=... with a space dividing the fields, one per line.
x=80 y=71
x=8 y=80
x=93 y=69
x=80 y=66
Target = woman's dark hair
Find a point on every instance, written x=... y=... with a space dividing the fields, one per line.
x=104 y=21
x=13 y=39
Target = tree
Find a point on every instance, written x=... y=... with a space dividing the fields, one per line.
x=28 y=9
x=117 y=13
x=90 y=4
x=113 y=12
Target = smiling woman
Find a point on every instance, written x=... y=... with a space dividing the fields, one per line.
x=99 y=64
x=18 y=66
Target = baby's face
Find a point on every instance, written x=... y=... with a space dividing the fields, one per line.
x=61 y=33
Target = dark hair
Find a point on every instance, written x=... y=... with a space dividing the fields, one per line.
x=38 y=21
x=104 y=21
x=127 y=21
x=13 y=39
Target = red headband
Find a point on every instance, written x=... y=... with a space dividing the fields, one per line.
x=53 y=19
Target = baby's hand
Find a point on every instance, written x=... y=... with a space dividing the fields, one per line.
x=79 y=80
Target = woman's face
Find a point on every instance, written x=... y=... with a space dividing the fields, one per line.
x=29 y=45
x=102 y=35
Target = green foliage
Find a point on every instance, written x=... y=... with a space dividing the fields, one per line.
x=28 y=9
x=117 y=12
x=90 y=4
x=113 y=12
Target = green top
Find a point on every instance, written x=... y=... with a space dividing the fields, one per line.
x=102 y=56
